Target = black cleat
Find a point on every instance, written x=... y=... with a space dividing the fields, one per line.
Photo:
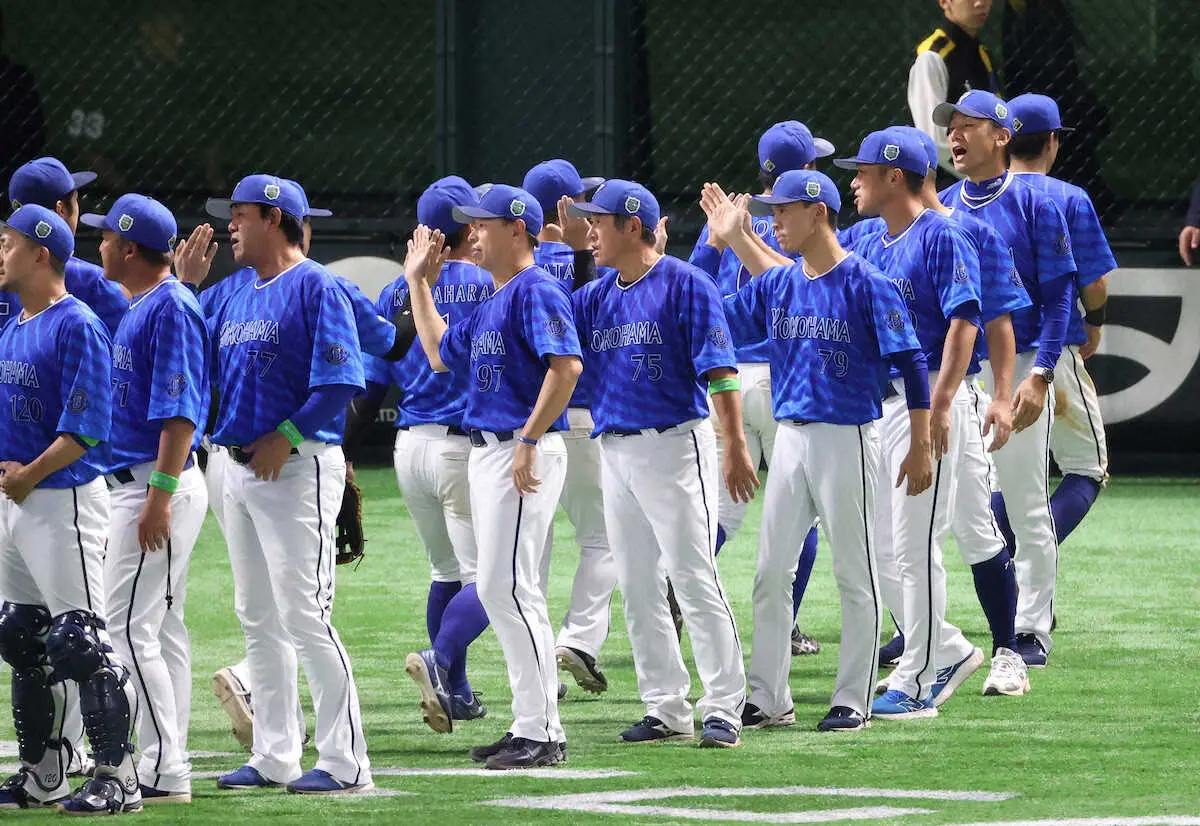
x=526 y=754
x=480 y=754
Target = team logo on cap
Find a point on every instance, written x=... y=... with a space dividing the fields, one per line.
x=42 y=229
x=171 y=242
x=125 y=223
x=517 y=208
x=813 y=189
x=1001 y=111
x=891 y=152
x=769 y=165
x=632 y=204
x=16 y=204
x=78 y=400
x=895 y=320
x=176 y=385
x=1017 y=124
x=271 y=191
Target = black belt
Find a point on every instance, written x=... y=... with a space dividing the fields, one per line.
x=477 y=439
x=801 y=421
x=124 y=476
x=891 y=392
x=662 y=429
x=451 y=429
x=243 y=458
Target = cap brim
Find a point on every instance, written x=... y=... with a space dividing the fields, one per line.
x=317 y=212
x=1067 y=129
x=586 y=208
x=219 y=207
x=943 y=114
x=591 y=182
x=760 y=209
x=467 y=214
x=91 y=219
x=848 y=163
x=823 y=147
x=82 y=179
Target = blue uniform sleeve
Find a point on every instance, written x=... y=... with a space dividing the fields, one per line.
x=455 y=347
x=1051 y=242
x=746 y=311
x=914 y=370
x=548 y=321
x=336 y=353
x=86 y=282
x=954 y=265
x=376 y=370
x=86 y=386
x=178 y=387
x=376 y=334
x=705 y=256
x=1093 y=256
x=1000 y=283
x=1057 y=298
x=889 y=317
x=709 y=341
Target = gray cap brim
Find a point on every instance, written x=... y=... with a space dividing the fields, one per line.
x=318 y=212
x=219 y=207
x=82 y=179
x=823 y=147
x=470 y=214
x=587 y=209
x=91 y=219
x=591 y=182
x=848 y=163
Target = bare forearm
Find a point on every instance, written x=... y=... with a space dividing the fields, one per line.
x=956 y=358
x=1095 y=295
x=1002 y=354
x=756 y=255
x=174 y=445
x=552 y=400
x=430 y=325
x=918 y=422
x=62 y=451
x=728 y=406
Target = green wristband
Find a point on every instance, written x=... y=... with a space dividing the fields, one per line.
x=722 y=385
x=163 y=481
x=290 y=432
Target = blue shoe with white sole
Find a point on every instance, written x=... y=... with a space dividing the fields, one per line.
x=952 y=676
x=896 y=705
x=247 y=777
x=316 y=781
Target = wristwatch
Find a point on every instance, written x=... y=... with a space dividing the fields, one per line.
x=1043 y=373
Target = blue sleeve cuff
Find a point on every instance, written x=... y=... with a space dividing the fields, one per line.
x=915 y=371
x=323 y=405
x=707 y=258
x=1056 y=315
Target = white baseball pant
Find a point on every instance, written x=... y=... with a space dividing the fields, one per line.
x=1023 y=471
x=585 y=626
x=760 y=427
x=909 y=532
x=431 y=470
x=830 y=471
x=660 y=497
x=510 y=532
x=142 y=589
x=281 y=549
x=1077 y=439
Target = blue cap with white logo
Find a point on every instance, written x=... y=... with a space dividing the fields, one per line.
x=550 y=180
x=270 y=190
x=44 y=227
x=310 y=211
x=889 y=148
x=931 y=150
x=140 y=219
x=975 y=104
x=618 y=197
x=45 y=182
x=790 y=145
x=503 y=201
x=1036 y=113
x=435 y=207
x=799 y=185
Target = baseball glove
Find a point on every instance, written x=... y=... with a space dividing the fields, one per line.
x=350 y=540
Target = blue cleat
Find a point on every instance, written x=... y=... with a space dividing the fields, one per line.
x=1031 y=650
x=247 y=777
x=843 y=718
x=891 y=652
x=652 y=730
x=952 y=676
x=316 y=781
x=896 y=705
x=719 y=734
x=432 y=681
x=466 y=708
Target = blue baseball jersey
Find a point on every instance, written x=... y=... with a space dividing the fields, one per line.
x=559 y=260
x=376 y=335
x=829 y=338
x=732 y=275
x=214 y=298
x=504 y=347
x=856 y=234
x=1035 y=230
x=649 y=344
x=276 y=340
x=936 y=267
x=86 y=282
x=426 y=396
x=1089 y=246
x=160 y=371
x=54 y=379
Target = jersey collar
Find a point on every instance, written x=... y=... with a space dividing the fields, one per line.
x=137 y=299
x=21 y=320
x=260 y=284
x=979 y=203
x=884 y=238
x=623 y=286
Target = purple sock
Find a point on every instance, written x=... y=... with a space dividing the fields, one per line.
x=440 y=594
x=808 y=555
x=720 y=539
x=463 y=622
x=996 y=587
x=1001 y=513
x=1071 y=502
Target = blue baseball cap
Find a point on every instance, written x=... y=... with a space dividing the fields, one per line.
x=799 y=185
x=975 y=104
x=1036 y=113
x=140 y=219
x=45 y=227
x=618 y=197
x=502 y=201
x=931 y=150
x=550 y=180
x=435 y=207
x=310 y=211
x=790 y=145
x=270 y=190
x=889 y=148
x=45 y=182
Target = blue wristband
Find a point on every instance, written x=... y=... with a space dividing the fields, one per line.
x=525 y=441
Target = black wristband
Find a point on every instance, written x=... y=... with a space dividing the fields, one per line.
x=1096 y=317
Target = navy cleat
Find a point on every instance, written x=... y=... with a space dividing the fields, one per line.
x=653 y=730
x=843 y=718
x=891 y=652
x=755 y=717
x=526 y=754
x=103 y=794
x=802 y=644
x=151 y=795
x=581 y=666
x=719 y=734
x=15 y=792
x=952 y=676
x=247 y=777
x=896 y=705
x=1031 y=650
x=463 y=708
x=316 y=781
x=432 y=682
x=480 y=754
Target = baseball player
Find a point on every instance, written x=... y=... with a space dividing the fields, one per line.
x=980 y=127
x=937 y=269
x=521 y=355
x=563 y=251
x=786 y=146
x=55 y=393
x=430 y=457
x=160 y=400
x=655 y=335
x=287 y=361
x=1077 y=439
x=832 y=324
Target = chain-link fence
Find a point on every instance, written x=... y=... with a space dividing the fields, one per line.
x=367 y=102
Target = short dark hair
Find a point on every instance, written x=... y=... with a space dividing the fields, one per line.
x=458 y=236
x=767 y=179
x=1029 y=146
x=151 y=256
x=288 y=224
x=913 y=182
x=59 y=267
x=647 y=235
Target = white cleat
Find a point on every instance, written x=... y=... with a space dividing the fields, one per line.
x=235 y=700
x=1009 y=675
